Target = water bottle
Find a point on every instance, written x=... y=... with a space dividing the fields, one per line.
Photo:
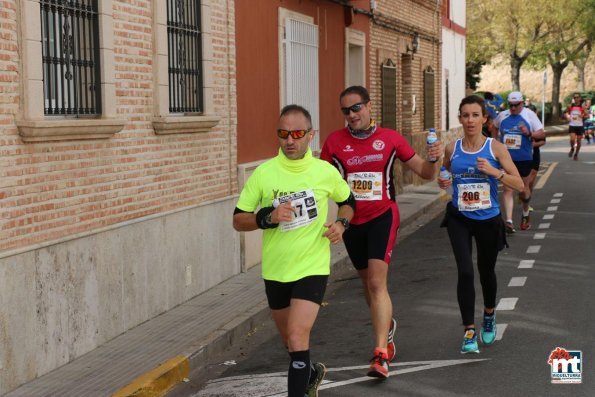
x=432 y=137
x=444 y=174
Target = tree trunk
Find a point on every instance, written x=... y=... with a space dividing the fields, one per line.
x=580 y=70
x=557 y=69
x=515 y=72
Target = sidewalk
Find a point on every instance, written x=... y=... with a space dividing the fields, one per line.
x=154 y=356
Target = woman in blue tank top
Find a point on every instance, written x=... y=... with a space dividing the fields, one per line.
x=477 y=163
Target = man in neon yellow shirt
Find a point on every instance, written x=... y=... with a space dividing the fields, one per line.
x=292 y=191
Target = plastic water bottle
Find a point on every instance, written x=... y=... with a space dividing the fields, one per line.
x=432 y=137
x=444 y=174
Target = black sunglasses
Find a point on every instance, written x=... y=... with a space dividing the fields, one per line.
x=353 y=108
x=514 y=105
x=295 y=134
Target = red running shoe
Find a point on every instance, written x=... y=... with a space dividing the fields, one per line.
x=378 y=366
x=390 y=345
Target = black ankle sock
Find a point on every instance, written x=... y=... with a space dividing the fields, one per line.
x=298 y=375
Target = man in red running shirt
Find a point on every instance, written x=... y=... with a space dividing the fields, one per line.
x=366 y=154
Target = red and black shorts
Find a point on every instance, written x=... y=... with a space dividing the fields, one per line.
x=374 y=239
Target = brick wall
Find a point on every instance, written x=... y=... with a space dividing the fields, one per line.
x=389 y=37
x=50 y=191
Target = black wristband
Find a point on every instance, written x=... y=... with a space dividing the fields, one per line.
x=263 y=218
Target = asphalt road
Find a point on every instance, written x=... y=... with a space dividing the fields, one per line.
x=546 y=290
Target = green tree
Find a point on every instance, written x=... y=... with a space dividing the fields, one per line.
x=506 y=27
x=571 y=33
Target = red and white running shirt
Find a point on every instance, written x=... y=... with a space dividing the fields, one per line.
x=368 y=167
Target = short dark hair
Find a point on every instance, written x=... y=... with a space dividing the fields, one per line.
x=358 y=90
x=293 y=108
x=473 y=99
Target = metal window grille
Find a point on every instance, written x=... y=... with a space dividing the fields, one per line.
x=70 y=57
x=429 y=120
x=389 y=94
x=301 y=70
x=184 y=56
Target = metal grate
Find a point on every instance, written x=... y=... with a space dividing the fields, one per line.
x=184 y=56
x=389 y=94
x=301 y=70
x=429 y=119
x=70 y=57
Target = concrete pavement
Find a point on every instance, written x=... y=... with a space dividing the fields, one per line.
x=153 y=357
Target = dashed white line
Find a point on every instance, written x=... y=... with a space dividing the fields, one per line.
x=500 y=328
x=517 y=281
x=558 y=194
x=544 y=226
x=526 y=263
x=539 y=236
x=554 y=208
x=555 y=201
x=533 y=249
x=507 y=304
x=548 y=217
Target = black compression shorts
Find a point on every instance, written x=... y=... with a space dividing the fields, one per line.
x=311 y=288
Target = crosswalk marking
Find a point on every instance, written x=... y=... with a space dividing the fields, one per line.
x=539 y=236
x=507 y=303
x=553 y=208
x=555 y=201
x=517 y=281
x=558 y=194
x=500 y=328
x=544 y=226
x=533 y=249
x=526 y=263
x=548 y=217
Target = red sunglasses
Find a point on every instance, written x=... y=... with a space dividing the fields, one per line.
x=295 y=134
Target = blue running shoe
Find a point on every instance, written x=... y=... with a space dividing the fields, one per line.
x=470 y=342
x=488 y=329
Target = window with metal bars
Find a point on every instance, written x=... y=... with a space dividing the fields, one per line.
x=70 y=57
x=184 y=56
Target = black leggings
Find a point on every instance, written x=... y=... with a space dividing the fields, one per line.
x=488 y=240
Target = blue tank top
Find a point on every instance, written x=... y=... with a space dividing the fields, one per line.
x=520 y=146
x=475 y=194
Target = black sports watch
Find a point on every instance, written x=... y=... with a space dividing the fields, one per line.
x=343 y=222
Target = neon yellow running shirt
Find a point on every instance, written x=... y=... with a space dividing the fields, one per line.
x=296 y=249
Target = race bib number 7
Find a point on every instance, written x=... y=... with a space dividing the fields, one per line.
x=474 y=196
x=304 y=208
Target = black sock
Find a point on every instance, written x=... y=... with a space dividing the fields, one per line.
x=299 y=373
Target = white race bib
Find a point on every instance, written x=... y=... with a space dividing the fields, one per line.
x=513 y=141
x=474 y=196
x=365 y=185
x=304 y=207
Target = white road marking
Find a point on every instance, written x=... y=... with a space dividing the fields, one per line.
x=526 y=263
x=533 y=249
x=507 y=303
x=544 y=226
x=558 y=194
x=548 y=217
x=554 y=208
x=539 y=236
x=517 y=281
x=500 y=330
x=275 y=384
x=555 y=201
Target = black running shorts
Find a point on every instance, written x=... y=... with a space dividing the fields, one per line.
x=311 y=288
x=577 y=129
x=536 y=158
x=374 y=239
x=524 y=167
